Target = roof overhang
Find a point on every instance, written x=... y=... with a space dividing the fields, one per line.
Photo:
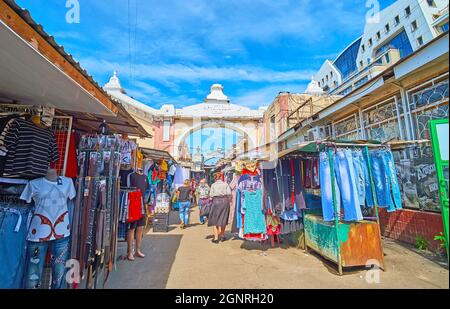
x=26 y=76
x=156 y=154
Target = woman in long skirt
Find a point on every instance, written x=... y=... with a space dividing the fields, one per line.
x=220 y=208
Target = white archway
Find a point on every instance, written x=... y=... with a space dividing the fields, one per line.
x=214 y=124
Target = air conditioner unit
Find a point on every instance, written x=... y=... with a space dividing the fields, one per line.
x=317 y=133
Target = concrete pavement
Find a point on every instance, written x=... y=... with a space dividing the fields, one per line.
x=185 y=259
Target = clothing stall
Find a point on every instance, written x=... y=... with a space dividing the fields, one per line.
x=355 y=179
x=161 y=169
x=38 y=144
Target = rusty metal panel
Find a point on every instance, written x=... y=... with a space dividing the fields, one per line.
x=362 y=243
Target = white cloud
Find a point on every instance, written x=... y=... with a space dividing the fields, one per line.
x=193 y=73
x=264 y=96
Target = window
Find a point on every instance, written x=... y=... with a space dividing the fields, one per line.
x=397 y=20
x=361 y=82
x=361 y=64
x=363 y=48
x=387 y=28
x=326 y=77
x=444 y=27
x=378 y=35
x=331 y=74
x=370 y=42
x=347 y=63
x=431 y=3
x=420 y=41
x=166 y=131
x=407 y=11
x=400 y=42
x=414 y=26
x=369 y=61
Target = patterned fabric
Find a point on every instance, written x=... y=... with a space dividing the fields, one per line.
x=254 y=220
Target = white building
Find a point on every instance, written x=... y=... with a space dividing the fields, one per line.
x=398 y=31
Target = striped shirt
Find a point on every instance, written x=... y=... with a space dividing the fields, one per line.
x=31 y=149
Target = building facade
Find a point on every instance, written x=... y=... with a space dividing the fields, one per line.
x=396 y=105
x=396 y=32
x=171 y=127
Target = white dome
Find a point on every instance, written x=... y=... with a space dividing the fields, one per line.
x=113 y=84
x=217 y=95
x=314 y=88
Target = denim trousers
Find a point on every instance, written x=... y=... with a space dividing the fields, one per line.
x=36 y=255
x=13 y=244
x=184 y=212
x=345 y=174
x=386 y=182
x=392 y=176
x=326 y=189
x=363 y=182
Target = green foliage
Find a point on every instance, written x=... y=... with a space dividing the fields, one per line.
x=441 y=238
x=421 y=243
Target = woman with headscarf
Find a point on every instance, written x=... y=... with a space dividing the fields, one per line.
x=220 y=195
x=202 y=193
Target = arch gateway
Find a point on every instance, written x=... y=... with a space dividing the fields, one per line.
x=172 y=127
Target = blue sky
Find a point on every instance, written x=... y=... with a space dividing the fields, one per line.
x=171 y=51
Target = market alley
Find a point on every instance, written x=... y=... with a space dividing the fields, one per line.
x=186 y=258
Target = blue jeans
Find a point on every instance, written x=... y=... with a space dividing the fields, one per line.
x=363 y=183
x=13 y=233
x=386 y=182
x=345 y=174
x=36 y=254
x=326 y=189
x=184 y=212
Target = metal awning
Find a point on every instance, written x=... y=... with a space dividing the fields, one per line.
x=156 y=154
x=26 y=76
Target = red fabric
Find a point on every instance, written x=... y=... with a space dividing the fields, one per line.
x=72 y=162
x=134 y=206
x=247 y=172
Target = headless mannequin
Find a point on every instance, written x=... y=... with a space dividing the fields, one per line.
x=36 y=119
x=135 y=234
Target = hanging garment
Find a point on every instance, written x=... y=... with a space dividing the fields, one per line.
x=31 y=149
x=134 y=206
x=299 y=194
x=345 y=175
x=363 y=182
x=273 y=224
x=50 y=219
x=385 y=179
x=14 y=221
x=254 y=220
x=328 y=210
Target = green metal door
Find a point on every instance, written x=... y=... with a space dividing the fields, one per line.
x=440 y=140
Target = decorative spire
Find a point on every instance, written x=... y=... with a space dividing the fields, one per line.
x=314 y=88
x=217 y=95
x=114 y=83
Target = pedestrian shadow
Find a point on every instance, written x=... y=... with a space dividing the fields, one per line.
x=153 y=271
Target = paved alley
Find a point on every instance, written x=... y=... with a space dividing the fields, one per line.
x=185 y=259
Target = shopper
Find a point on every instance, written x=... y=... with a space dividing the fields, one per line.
x=220 y=208
x=184 y=196
x=202 y=193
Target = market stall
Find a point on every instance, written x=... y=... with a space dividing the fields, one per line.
x=355 y=179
